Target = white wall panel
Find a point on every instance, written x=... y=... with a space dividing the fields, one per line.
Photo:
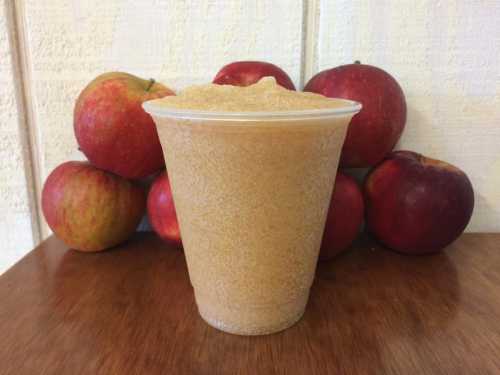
x=445 y=55
x=176 y=42
x=18 y=233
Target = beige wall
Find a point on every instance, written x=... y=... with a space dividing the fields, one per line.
x=18 y=226
x=445 y=55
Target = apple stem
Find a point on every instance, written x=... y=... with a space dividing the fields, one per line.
x=151 y=83
x=357 y=62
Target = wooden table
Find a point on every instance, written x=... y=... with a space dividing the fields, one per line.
x=131 y=311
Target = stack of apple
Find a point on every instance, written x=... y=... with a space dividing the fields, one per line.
x=411 y=203
x=98 y=204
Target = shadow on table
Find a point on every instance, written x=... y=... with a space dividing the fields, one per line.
x=115 y=309
x=368 y=297
x=134 y=309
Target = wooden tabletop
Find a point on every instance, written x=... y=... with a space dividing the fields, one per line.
x=131 y=311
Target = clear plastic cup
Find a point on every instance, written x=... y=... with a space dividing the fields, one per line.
x=252 y=191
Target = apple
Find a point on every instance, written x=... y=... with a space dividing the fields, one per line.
x=245 y=73
x=344 y=217
x=161 y=211
x=416 y=204
x=112 y=129
x=374 y=131
x=90 y=209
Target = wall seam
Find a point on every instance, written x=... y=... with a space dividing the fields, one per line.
x=27 y=122
x=310 y=27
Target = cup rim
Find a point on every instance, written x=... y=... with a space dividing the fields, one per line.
x=351 y=107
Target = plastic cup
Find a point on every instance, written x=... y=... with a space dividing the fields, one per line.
x=252 y=191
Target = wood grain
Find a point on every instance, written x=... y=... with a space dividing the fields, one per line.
x=131 y=311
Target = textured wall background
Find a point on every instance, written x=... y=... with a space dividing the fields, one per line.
x=446 y=56
x=176 y=42
x=444 y=53
x=18 y=233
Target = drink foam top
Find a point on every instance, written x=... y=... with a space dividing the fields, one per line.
x=265 y=95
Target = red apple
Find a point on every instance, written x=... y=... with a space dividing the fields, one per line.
x=90 y=209
x=374 y=131
x=112 y=129
x=344 y=217
x=415 y=204
x=161 y=211
x=245 y=73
